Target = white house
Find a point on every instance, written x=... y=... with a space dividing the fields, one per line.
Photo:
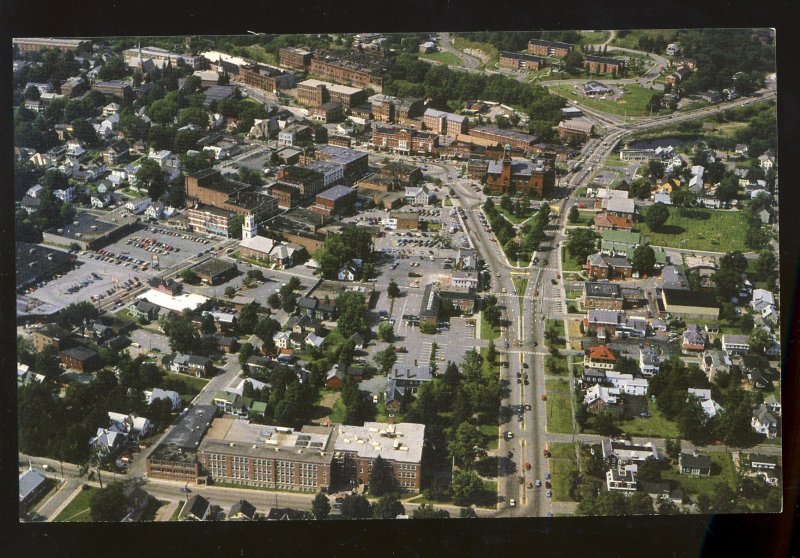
x=100 y=202
x=464 y=279
x=138 y=206
x=281 y=339
x=766 y=162
x=155 y=210
x=662 y=196
x=161 y=157
x=314 y=340
x=418 y=195
x=762 y=300
x=649 y=361
x=627 y=383
x=66 y=194
x=608 y=395
x=157 y=393
x=348 y=272
x=764 y=422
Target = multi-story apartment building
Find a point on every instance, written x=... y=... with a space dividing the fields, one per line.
x=521 y=61
x=602 y=64
x=549 y=48
x=210 y=220
x=307 y=182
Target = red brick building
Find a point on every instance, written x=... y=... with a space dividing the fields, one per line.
x=307 y=182
x=80 y=358
x=577 y=129
x=338 y=199
x=549 y=48
x=521 y=61
x=521 y=175
x=602 y=64
x=601 y=266
x=287 y=196
x=327 y=112
x=404 y=140
x=505 y=137
x=296 y=58
x=606 y=222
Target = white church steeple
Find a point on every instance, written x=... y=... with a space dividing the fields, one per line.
x=249 y=228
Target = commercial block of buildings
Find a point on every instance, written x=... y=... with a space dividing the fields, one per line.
x=406 y=141
x=504 y=137
x=315 y=92
x=447 y=123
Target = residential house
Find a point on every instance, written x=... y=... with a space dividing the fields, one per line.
x=764 y=466
x=715 y=361
x=735 y=344
x=694 y=464
x=766 y=161
x=673 y=277
x=622 y=480
x=600 y=356
x=194 y=365
x=764 y=422
x=157 y=394
x=601 y=266
x=155 y=210
x=418 y=195
x=348 y=272
x=31 y=484
x=107 y=441
x=358 y=340
x=602 y=398
x=757 y=370
x=284 y=514
x=627 y=383
x=314 y=340
x=196 y=508
x=709 y=406
x=145 y=309
x=694 y=338
x=281 y=339
x=618 y=453
x=649 y=361
x=242 y=511
x=130 y=424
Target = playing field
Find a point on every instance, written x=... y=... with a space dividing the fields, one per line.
x=712 y=230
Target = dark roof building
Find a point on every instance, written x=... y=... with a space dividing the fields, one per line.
x=36 y=263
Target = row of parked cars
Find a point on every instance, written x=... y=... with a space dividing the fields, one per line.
x=125 y=260
x=178 y=234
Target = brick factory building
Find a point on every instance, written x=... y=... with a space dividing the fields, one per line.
x=578 y=129
x=504 y=137
x=266 y=78
x=175 y=457
x=296 y=58
x=446 y=123
x=338 y=200
x=314 y=92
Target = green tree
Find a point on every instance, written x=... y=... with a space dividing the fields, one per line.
x=640 y=503
x=650 y=470
x=109 y=504
x=248 y=318
x=352 y=313
x=190 y=277
x=760 y=341
x=381 y=480
x=656 y=216
x=151 y=177
x=466 y=487
x=385 y=359
x=320 y=507
x=193 y=115
x=386 y=332
x=274 y=300
x=467 y=445
x=640 y=188
x=83 y=130
x=574 y=214
x=388 y=507
x=467 y=513
x=581 y=243
x=393 y=291
x=766 y=266
x=356 y=506
x=644 y=259
x=491 y=352
x=427 y=511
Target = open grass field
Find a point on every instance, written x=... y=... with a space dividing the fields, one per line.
x=558 y=327
x=338 y=411
x=568 y=262
x=656 y=425
x=559 y=414
x=513 y=219
x=563 y=464
x=198 y=383
x=487 y=331
x=630 y=39
x=257 y=52
x=558 y=387
x=78 y=508
x=558 y=366
x=710 y=230
x=594 y=37
x=447 y=58
x=632 y=103
x=490 y=431
x=520 y=283
x=177 y=512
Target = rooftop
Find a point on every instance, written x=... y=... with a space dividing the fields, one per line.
x=185 y=435
x=336 y=193
x=398 y=442
x=511 y=134
x=681 y=297
x=175 y=303
x=604 y=290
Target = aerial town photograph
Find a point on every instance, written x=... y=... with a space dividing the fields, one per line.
x=335 y=276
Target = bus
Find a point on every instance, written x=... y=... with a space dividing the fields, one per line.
x=576 y=167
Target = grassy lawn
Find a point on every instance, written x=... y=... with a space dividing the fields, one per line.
x=177 y=512
x=568 y=262
x=562 y=464
x=78 y=508
x=559 y=366
x=593 y=37
x=556 y=386
x=338 y=412
x=443 y=57
x=584 y=218
x=520 y=283
x=631 y=38
x=487 y=331
x=632 y=103
x=613 y=160
x=257 y=52
x=559 y=414
x=558 y=327
x=722 y=471
x=513 y=219
x=656 y=425
x=700 y=229
x=198 y=383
